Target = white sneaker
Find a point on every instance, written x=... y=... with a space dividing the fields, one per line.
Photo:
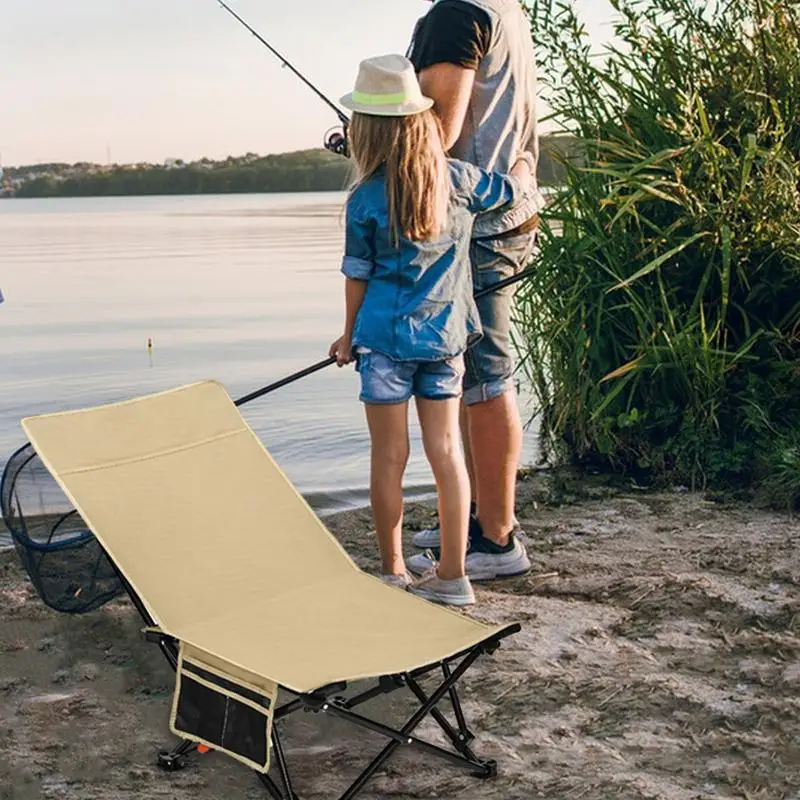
x=456 y=592
x=425 y=539
x=431 y=539
x=485 y=560
x=398 y=581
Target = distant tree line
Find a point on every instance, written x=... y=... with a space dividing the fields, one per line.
x=302 y=171
x=306 y=171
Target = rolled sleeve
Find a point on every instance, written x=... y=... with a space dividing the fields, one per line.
x=357 y=268
x=359 y=248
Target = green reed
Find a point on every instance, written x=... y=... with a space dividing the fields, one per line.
x=661 y=331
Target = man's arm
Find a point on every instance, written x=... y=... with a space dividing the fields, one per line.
x=450 y=88
x=448 y=47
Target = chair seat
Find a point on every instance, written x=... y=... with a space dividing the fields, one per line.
x=344 y=630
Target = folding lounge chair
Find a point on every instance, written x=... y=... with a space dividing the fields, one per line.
x=245 y=590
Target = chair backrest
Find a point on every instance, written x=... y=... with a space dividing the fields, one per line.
x=185 y=496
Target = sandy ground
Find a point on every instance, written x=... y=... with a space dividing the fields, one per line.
x=659 y=658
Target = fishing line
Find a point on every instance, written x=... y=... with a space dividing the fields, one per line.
x=336 y=138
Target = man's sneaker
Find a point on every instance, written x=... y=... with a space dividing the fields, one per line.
x=430 y=537
x=398 y=581
x=457 y=592
x=486 y=561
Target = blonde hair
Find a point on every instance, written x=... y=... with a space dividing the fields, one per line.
x=417 y=178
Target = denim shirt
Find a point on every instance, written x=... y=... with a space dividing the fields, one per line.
x=419 y=305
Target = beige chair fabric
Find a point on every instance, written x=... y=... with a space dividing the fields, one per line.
x=223 y=550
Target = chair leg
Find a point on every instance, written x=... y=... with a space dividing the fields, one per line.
x=463 y=737
x=371 y=769
x=174 y=760
x=463 y=758
x=283 y=767
x=466 y=733
x=274 y=792
x=403 y=738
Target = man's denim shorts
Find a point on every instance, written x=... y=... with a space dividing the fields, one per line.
x=385 y=381
x=489 y=362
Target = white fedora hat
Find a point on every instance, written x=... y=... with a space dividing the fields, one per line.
x=387 y=86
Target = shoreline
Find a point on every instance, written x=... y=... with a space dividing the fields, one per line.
x=658 y=659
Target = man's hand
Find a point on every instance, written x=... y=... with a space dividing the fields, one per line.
x=522 y=172
x=342 y=350
x=450 y=88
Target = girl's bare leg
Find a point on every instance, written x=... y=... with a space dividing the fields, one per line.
x=439 y=420
x=388 y=429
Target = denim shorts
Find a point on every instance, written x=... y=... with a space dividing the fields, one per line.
x=490 y=362
x=385 y=381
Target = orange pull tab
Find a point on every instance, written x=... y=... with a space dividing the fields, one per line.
x=203 y=749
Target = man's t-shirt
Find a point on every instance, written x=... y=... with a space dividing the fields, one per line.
x=452 y=32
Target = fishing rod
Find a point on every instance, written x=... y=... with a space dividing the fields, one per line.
x=320 y=365
x=335 y=138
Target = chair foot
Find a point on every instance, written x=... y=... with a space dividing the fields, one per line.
x=465 y=739
x=171 y=762
x=175 y=760
x=488 y=770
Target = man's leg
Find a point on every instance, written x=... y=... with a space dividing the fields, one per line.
x=494 y=424
x=495 y=432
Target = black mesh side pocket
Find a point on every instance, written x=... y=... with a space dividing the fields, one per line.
x=226 y=710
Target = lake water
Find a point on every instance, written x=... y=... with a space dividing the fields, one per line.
x=244 y=289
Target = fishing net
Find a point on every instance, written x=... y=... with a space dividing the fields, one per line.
x=64 y=560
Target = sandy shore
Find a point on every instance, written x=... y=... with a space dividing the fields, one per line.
x=659 y=658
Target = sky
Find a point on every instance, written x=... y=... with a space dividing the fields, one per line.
x=148 y=80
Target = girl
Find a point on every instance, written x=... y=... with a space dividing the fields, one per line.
x=410 y=314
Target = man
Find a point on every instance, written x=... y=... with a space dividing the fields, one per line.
x=475 y=59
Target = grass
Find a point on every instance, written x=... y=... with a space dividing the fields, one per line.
x=661 y=332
